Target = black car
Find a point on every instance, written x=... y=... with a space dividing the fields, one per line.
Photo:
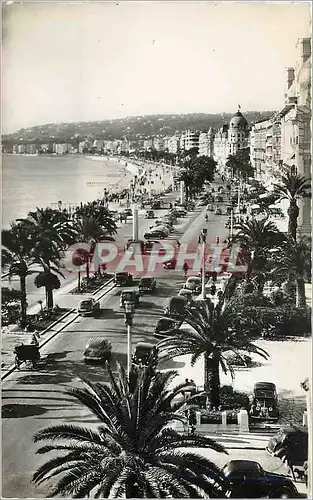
x=97 y=350
x=147 y=284
x=290 y=444
x=145 y=353
x=123 y=279
x=165 y=326
x=264 y=405
x=248 y=479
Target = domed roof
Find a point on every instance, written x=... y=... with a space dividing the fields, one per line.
x=238 y=120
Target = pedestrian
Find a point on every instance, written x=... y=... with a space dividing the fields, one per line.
x=186 y=381
x=178 y=243
x=185 y=269
x=213 y=289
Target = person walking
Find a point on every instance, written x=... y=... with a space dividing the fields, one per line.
x=185 y=269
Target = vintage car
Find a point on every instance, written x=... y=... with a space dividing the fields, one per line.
x=144 y=354
x=176 y=307
x=193 y=283
x=98 y=350
x=218 y=211
x=88 y=306
x=290 y=444
x=149 y=214
x=170 y=264
x=264 y=405
x=188 y=294
x=131 y=296
x=156 y=233
x=248 y=479
x=165 y=326
x=123 y=279
x=147 y=284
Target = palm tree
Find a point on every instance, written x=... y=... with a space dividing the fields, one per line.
x=256 y=238
x=89 y=230
x=293 y=187
x=210 y=332
x=16 y=252
x=134 y=453
x=51 y=232
x=294 y=263
x=101 y=213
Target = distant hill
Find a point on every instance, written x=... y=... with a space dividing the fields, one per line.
x=132 y=128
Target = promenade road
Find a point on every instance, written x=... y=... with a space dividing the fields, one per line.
x=34 y=399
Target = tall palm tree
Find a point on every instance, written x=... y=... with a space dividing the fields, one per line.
x=134 y=453
x=294 y=263
x=89 y=230
x=293 y=187
x=16 y=252
x=256 y=238
x=210 y=332
x=51 y=232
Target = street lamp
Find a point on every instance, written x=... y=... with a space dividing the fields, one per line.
x=129 y=314
x=203 y=239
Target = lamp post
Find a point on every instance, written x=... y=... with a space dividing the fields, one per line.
x=203 y=239
x=135 y=222
x=129 y=314
x=231 y=222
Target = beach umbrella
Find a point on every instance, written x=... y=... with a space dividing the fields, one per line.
x=255 y=206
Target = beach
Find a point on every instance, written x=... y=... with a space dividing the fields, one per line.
x=41 y=181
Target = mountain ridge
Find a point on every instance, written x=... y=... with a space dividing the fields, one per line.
x=130 y=128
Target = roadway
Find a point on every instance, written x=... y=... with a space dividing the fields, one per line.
x=35 y=399
x=123 y=234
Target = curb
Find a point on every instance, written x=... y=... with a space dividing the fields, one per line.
x=12 y=367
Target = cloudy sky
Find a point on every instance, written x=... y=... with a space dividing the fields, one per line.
x=90 y=61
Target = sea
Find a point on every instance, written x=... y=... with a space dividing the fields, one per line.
x=41 y=181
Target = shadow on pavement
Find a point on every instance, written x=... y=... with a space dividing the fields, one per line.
x=21 y=410
x=107 y=314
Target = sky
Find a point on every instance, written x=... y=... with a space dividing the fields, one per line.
x=77 y=61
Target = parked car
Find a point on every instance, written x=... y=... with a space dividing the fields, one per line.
x=156 y=205
x=170 y=264
x=218 y=211
x=147 y=284
x=145 y=353
x=123 y=279
x=149 y=214
x=193 y=283
x=187 y=294
x=264 y=405
x=128 y=212
x=158 y=233
x=131 y=296
x=210 y=207
x=219 y=198
x=181 y=212
x=290 y=444
x=165 y=326
x=88 y=306
x=176 y=306
x=97 y=349
x=248 y=479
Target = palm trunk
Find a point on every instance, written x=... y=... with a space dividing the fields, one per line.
x=23 y=299
x=78 y=282
x=293 y=213
x=300 y=293
x=87 y=268
x=49 y=292
x=212 y=379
